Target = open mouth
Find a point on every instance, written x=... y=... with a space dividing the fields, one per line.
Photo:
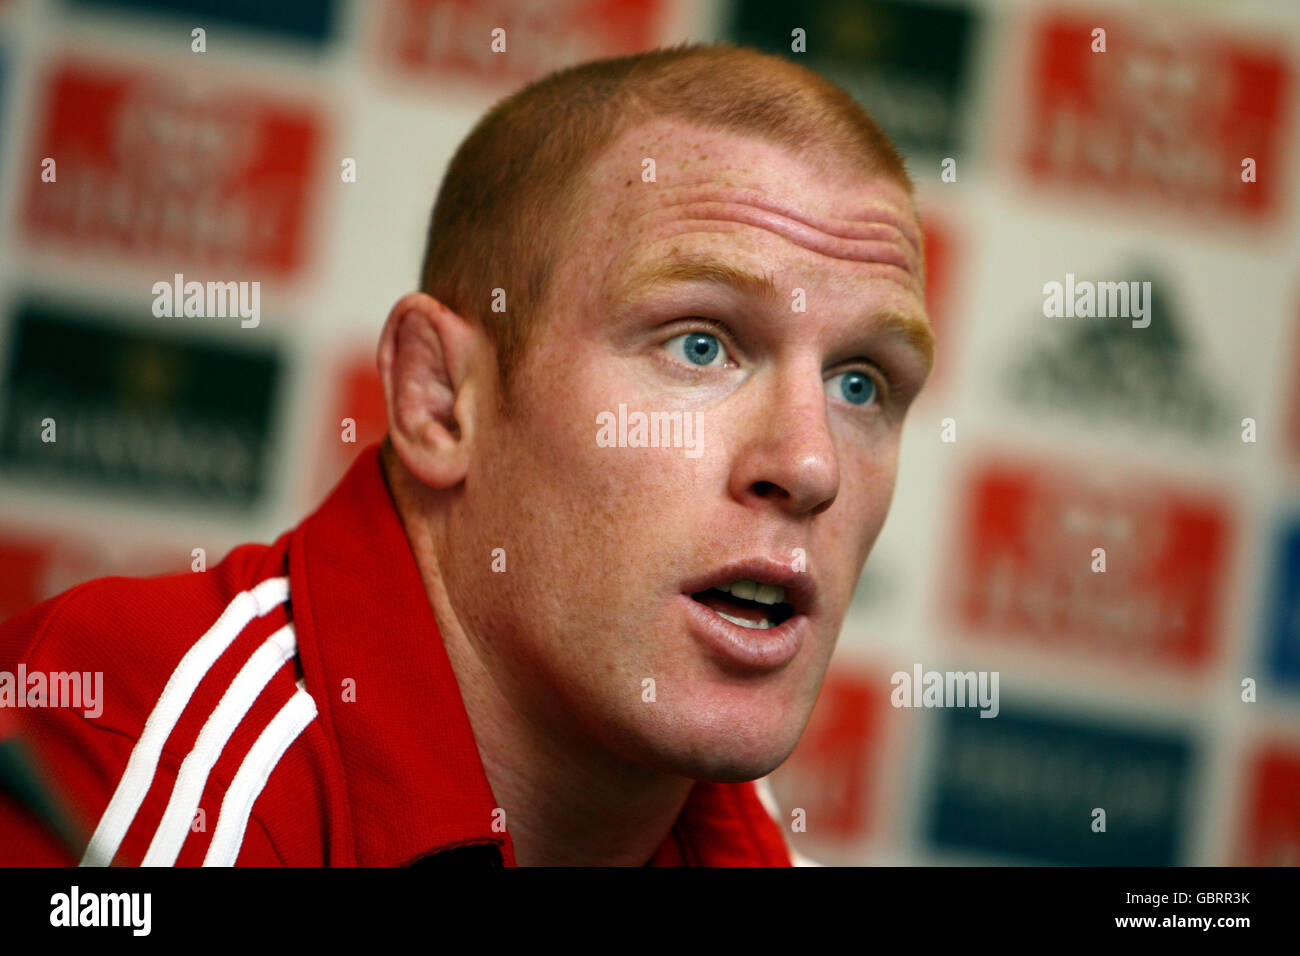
x=747 y=603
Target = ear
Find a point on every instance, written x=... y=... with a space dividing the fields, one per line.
x=426 y=354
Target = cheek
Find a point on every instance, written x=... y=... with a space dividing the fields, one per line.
x=546 y=448
x=567 y=412
x=866 y=491
x=580 y=500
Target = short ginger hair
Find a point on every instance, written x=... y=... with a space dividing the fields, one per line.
x=510 y=195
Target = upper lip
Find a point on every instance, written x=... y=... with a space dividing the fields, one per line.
x=800 y=586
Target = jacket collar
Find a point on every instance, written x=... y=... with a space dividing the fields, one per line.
x=411 y=772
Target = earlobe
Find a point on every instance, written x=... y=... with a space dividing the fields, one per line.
x=424 y=364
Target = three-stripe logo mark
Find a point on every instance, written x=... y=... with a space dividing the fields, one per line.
x=261 y=759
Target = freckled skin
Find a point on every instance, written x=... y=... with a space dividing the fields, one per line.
x=601 y=540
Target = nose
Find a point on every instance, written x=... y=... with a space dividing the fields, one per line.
x=788 y=454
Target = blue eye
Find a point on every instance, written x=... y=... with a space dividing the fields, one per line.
x=698 y=348
x=856 y=388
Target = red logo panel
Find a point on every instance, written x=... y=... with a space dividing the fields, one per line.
x=828 y=773
x=1271 y=835
x=153 y=166
x=360 y=398
x=1293 y=415
x=1165 y=115
x=1026 y=557
x=435 y=38
x=35 y=566
x=941 y=276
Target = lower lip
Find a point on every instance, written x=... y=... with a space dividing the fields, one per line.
x=750 y=648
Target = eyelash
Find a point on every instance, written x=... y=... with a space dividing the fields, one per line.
x=725 y=339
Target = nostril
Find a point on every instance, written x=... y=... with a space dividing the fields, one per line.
x=764 y=488
x=823 y=506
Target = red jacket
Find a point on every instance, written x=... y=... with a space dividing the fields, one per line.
x=292 y=705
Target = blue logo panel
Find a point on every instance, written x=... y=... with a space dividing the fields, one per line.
x=313 y=21
x=1282 y=639
x=1024 y=786
x=97 y=405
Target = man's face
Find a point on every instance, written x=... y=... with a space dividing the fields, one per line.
x=795 y=397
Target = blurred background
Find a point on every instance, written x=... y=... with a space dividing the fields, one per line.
x=1164 y=690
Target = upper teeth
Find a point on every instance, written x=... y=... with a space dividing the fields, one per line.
x=753 y=591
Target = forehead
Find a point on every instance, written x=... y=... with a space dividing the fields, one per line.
x=801 y=219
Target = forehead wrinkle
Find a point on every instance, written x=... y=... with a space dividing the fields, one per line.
x=910 y=280
x=873 y=218
x=873 y=242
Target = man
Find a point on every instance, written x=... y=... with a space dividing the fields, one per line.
x=644 y=421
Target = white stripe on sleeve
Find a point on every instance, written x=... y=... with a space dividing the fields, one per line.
x=235 y=703
x=247 y=786
x=143 y=762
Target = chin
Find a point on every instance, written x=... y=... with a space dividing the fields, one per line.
x=725 y=767
x=726 y=753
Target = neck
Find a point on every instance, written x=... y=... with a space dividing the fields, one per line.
x=568 y=802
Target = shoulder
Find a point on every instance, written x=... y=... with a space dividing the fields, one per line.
x=162 y=709
x=136 y=631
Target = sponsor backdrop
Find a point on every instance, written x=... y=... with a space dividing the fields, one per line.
x=1098 y=509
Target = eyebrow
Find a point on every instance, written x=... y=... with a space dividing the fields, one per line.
x=913 y=330
x=698 y=268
